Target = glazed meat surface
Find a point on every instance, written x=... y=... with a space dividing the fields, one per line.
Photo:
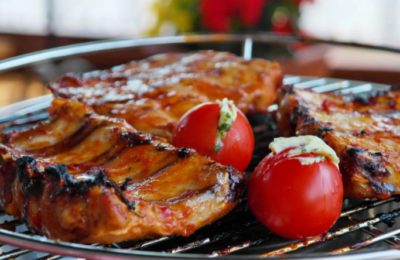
x=152 y=94
x=84 y=177
x=364 y=132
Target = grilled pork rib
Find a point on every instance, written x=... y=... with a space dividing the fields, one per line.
x=153 y=94
x=88 y=178
x=364 y=132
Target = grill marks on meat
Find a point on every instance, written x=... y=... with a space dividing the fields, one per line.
x=365 y=133
x=87 y=175
x=88 y=178
x=152 y=94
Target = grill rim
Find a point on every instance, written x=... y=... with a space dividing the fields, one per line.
x=108 y=45
x=88 y=251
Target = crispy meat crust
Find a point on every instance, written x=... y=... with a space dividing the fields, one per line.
x=88 y=178
x=364 y=132
x=152 y=94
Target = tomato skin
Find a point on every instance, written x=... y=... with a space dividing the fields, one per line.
x=198 y=129
x=295 y=200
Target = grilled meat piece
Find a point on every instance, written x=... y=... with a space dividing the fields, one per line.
x=152 y=94
x=364 y=132
x=88 y=178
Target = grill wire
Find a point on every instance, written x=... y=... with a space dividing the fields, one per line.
x=362 y=224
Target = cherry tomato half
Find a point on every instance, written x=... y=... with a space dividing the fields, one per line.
x=198 y=129
x=295 y=200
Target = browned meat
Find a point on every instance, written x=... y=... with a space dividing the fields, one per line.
x=152 y=94
x=88 y=178
x=364 y=132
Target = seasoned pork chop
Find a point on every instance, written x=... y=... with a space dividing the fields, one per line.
x=364 y=132
x=88 y=178
x=152 y=94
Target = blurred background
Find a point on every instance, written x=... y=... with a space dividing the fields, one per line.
x=32 y=25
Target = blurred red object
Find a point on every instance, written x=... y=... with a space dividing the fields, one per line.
x=218 y=15
x=250 y=11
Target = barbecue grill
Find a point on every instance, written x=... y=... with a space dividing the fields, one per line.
x=367 y=229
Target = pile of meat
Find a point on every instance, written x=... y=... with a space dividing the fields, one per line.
x=100 y=169
x=93 y=172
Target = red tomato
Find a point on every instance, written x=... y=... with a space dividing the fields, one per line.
x=198 y=129
x=295 y=200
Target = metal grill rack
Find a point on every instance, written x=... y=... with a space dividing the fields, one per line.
x=238 y=234
x=366 y=229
